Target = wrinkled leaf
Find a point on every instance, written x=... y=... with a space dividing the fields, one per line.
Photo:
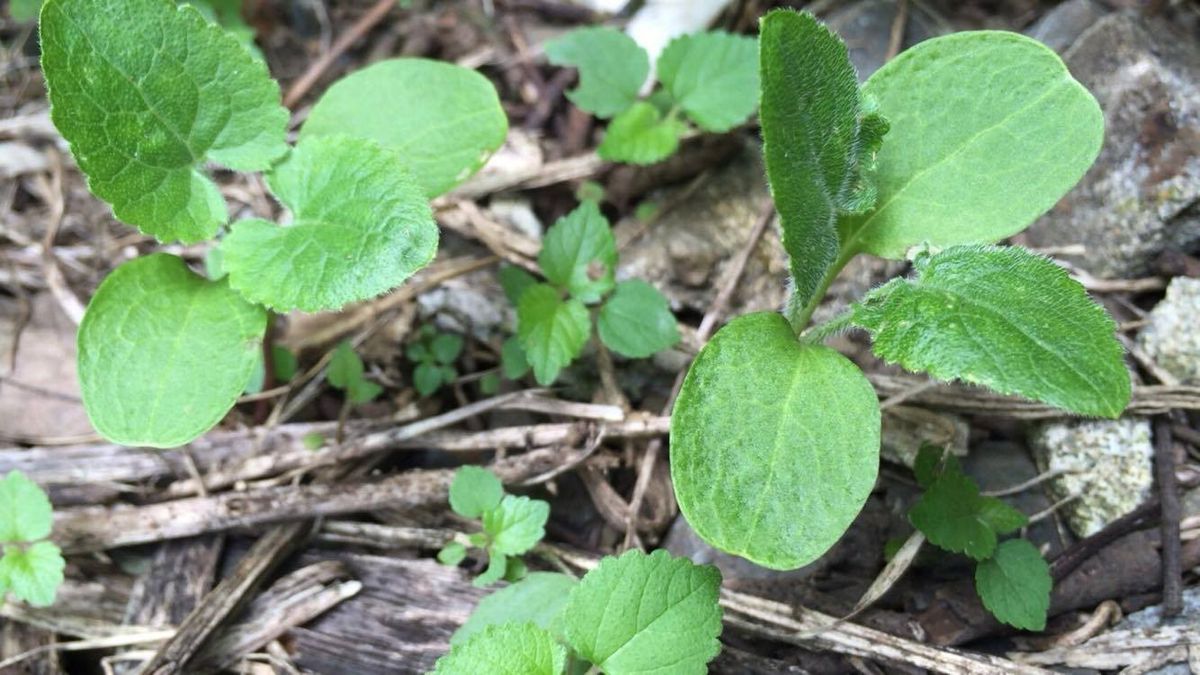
x=713 y=76
x=612 y=68
x=1015 y=584
x=579 y=253
x=552 y=331
x=636 y=321
x=950 y=514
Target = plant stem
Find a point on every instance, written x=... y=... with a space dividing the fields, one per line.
x=821 y=331
x=800 y=318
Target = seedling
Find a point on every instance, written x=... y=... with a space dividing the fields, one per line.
x=708 y=79
x=346 y=372
x=579 y=261
x=512 y=525
x=1011 y=577
x=31 y=569
x=775 y=437
x=434 y=354
x=149 y=95
x=637 y=613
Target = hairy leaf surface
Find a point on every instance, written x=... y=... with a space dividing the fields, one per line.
x=713 y=76
x=774 y=443
x=647 y=614
x=25 y=511
x=551 y=331
x=361 y=227
x=1015 y=584
x=540 y=598
x=443 y=120
x=164 y=352
x=612 y=68
x=505 y=649
x=641 y=135
x=988 y=131
x=147 y=93
x=1004 y=318
x=636 y=320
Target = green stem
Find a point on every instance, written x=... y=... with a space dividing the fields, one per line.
x=799 y=318
x=822 y=331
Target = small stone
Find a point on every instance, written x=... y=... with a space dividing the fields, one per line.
x=1060 y=27
x=906 y=429
x=1151 y=618
x=1107 y=465
x=1171 y=338
x=865 y=26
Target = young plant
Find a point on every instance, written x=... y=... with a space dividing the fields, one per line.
x=31 y=569
x=775 y=437
x=434 y=354
x=512 y=525
x=346 y=372
x=579 y=261
x=708 y=78
x=1011 y=577
x=149 y=94
x=637 y=613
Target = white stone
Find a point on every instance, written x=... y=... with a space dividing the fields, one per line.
x=1171 y=338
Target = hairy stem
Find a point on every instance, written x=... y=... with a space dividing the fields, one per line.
x=822 y=331
x=799 y=317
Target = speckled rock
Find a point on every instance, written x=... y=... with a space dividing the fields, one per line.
x=1140 y=197
x=1171 y=338
x=1108 y=464
x=906 y=428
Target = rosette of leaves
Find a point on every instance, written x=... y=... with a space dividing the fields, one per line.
x=31 y=567
x=951 y=146
x=555 y=318
x=708 y=79
x=149 y=96
x=434 y=354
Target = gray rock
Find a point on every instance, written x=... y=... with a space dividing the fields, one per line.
x=1060 y=27
x=1171 y=338
x=905 y=429
x=866 y=28
x=1107 y=464
x=1151 y=617
x=998 y=465
x=1141 y=195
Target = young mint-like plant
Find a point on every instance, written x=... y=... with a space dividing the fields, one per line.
x=149 y=95
x=554 y=323
x=346 y=372
x=31 y=569
x=708 y=78
x=634 y=614
x=951 y=146
x=434 y=355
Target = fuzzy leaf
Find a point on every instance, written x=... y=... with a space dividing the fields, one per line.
x=773 y=467
x=552 y=331
x=539 y=598
x=927 y=466
x=988 y=131
x=713 y=76
x=641 y=135
x=950 y=514
x=505 y=649
x=147 y=93
x=579 y=253
x=474 y=491
x=1015 y=584
x=361 y=228
x=818 y=140
x=612 y=68
x=636 y=320
x=1003 y=318
x=644 y=613
x=443 y=120
x=164 y=353
x=517 y=525
x=25 y=511
x=33 y=574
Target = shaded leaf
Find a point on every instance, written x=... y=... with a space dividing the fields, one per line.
x=641 y=135
x=505 y=649
x=612 y=68
x=1015 y=584
x=636 y=321
x=552 y=332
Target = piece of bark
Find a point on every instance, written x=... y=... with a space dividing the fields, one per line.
x=18 y=638
x=180 y=573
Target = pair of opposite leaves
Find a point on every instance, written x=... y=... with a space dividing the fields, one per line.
x=774 y=440
x=147 y=93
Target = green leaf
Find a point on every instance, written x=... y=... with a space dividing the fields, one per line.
x=446 y=347
x=950 y=514
x=33 y=574
x=1003 y=318
x=539 y=598
x=285 y=363
x=512 y=359
x=928 y=464
x=449 y=374
x=164 y=353
x=427 y=378
x=988 y=131
x=147 y=93
x=552 y=332
x=646 y=614
x=517 y=525
x=514 y=281
x=475 y=491
x=361 y=227
x=1002 y=518
x=418 y=352
x=612 y=68
x=363 y=391
x=497 y=565
x=257 y=377
x=452 y=554
x=636 y=321
x=713 y=76
x=25 y=511
x=641 y=135
x=228 y=15
x=818 y=140
x=443 y=120
x=775 y=466
x=579 y=254
x=1015 y=585
x=313 y=441
x=515 y=570
x=345 y=367
x=505 y=649
x=489 y=384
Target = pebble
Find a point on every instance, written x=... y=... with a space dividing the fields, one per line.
x=1171 y=338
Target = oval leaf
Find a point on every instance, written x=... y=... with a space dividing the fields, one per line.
x=164 y=353
x=1003 y=318
x=713 y=76
x=1015 y=585
x=648 y=614
x=25 y=511
x=774 y=443
x=612 y=68
x=443 y=120
x=146 y=93
x=636 y=321
x=988 y=131
x=361 y=227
